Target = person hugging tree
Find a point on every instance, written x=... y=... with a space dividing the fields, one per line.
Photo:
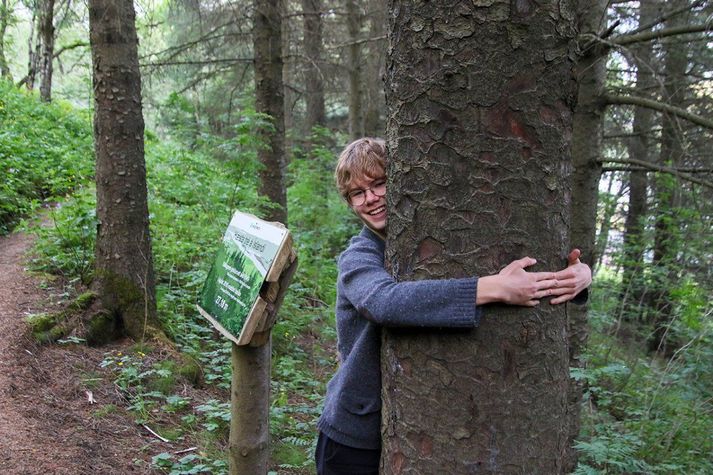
x=368 y=297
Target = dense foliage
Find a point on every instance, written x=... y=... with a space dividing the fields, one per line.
x=45 y=151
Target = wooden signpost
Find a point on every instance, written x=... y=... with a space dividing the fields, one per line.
x=241 y=296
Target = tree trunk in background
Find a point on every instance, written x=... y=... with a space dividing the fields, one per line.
x=586 y=152
x=269 y=99
x=375 y=106
x=124 y=277
x=5 y=13
x=33 y=52
x=639 y=149
x=47 y=35
x=666 y=240
x=356 y=119
x=250 y=393
x=479 y=128
x=314 y=84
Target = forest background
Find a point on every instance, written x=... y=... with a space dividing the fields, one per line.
x=648 y=396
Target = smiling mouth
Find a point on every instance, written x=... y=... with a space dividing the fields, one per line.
x=376 y=211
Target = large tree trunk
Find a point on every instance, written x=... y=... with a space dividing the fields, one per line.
x=373 y=123
x=479 y=127
x=47 y=35
x=5 y=12
x=668 y=195
x=124 y=277
x=639 y=148
x=314 y=85
x=250 y=393
x=356 y=119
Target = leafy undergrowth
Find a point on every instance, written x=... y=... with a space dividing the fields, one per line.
x=643 y=413
x=191 y=195
x=45 y=151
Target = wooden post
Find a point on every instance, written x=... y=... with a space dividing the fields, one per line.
x=250 y=404
x=249 y=448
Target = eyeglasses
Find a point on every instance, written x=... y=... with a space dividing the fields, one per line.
x=358 y=197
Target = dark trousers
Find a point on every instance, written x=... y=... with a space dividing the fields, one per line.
x=334 y=458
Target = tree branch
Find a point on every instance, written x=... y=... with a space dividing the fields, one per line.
x=76 y=44
x=658 y=106
x=628 y=39
x=665 y=17
x=658 y=168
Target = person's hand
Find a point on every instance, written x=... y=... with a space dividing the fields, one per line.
x=519 y=287
x=572 y=280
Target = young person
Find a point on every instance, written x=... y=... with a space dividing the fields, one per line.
x=368 y=298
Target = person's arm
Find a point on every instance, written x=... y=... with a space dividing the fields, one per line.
x=435 y=303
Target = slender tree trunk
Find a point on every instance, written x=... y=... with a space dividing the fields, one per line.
x=668 y=195
x=586 y=151
x=269 y=99
x=479 y=127
x=354 y=22
x=375 y=106
x=124 y=277
x=638 y=148
x=250 y=393
x=5 y=13
x=34 y=45
x=314 y=84
x=47 y=35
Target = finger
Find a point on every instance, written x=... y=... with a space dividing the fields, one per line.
x=562 y=299
x=565 y=274
x=542 y=276
x=532 y=303
x=524 y=262
x=573 y=256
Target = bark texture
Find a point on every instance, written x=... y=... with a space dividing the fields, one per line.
x=269 y=99
x=480 y=100
x=354 y=22
x=314 y=84
x=47 y=35
x=124 y=277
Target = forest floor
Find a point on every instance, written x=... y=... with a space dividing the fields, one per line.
x=47 y=423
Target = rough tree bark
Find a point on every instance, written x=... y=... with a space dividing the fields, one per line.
x=354 y=67
x=668 y=195
x=314 y=85
x=250 y=391
x=638 y=148
x=479 y=126
x=46 y=33
x=124 y=277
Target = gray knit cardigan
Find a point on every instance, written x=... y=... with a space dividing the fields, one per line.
x=367 y=299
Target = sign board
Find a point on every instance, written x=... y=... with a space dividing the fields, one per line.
x=253 y=252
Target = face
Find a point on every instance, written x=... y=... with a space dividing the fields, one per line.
x=373 y=210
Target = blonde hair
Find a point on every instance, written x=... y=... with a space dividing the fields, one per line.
x=365 y=157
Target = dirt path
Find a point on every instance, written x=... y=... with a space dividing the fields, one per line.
x=47 y=425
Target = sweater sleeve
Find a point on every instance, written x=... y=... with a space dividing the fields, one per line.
x=380 y=298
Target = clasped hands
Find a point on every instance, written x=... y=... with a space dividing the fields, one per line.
x=515 y=286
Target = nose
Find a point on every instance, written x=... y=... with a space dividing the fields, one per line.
x=370 y=196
